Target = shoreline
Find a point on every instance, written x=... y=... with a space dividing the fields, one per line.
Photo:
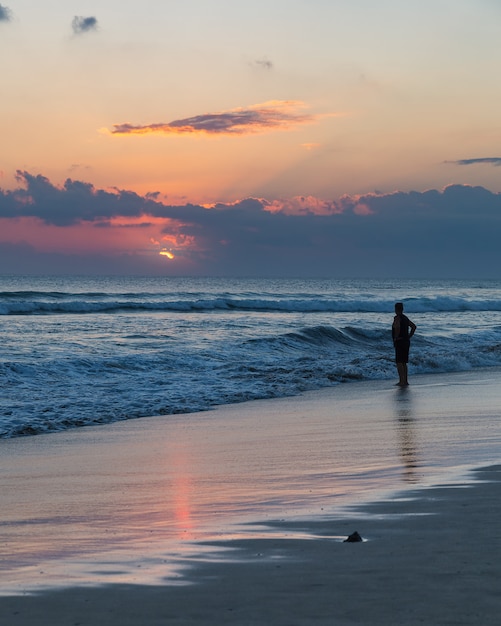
x=150 y=511
x=431 y=557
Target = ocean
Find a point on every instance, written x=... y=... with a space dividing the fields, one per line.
x=81 y=350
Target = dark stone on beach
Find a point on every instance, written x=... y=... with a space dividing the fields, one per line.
x=353 y=538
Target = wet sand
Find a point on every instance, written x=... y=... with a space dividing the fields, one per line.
x=149 y=522
x=430 y=560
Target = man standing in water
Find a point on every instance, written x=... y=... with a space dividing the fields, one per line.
x=401 y=332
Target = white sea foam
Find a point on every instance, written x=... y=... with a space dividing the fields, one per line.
x=38 y=303
x=77 y=350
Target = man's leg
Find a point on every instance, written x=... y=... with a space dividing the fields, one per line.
x=402 y=374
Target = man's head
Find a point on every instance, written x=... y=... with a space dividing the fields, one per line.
x=399 y=307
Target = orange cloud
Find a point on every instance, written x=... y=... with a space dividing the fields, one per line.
x=257 y=118
x=178 y=243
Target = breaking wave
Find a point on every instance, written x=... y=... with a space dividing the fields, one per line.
x=42 y=303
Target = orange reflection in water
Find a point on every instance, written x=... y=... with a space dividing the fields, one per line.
x=181 y=489
x=176 y=509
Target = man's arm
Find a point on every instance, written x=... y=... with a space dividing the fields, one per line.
x=395 y=328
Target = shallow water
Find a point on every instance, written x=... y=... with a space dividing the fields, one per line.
x=79 y=351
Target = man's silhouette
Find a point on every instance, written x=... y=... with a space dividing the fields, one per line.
x=401 y=332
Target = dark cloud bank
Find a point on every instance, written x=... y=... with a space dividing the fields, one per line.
x=454 y=232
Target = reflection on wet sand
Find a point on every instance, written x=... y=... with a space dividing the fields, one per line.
x=406 y=432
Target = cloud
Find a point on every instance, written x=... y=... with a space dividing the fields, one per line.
x=5 y=14
x=483 y=161
x=264 y=63
x=74 y=202
x=82 y=25
x=269 y=116
x=453 y=232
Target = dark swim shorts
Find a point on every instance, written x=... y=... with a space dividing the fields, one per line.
x=402 y=350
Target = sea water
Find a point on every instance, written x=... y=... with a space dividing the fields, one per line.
x=87 y=350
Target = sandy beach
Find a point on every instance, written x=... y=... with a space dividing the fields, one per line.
x=238 y=515
x=432 y=560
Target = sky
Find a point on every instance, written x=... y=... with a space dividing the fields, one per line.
x=322 y=138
